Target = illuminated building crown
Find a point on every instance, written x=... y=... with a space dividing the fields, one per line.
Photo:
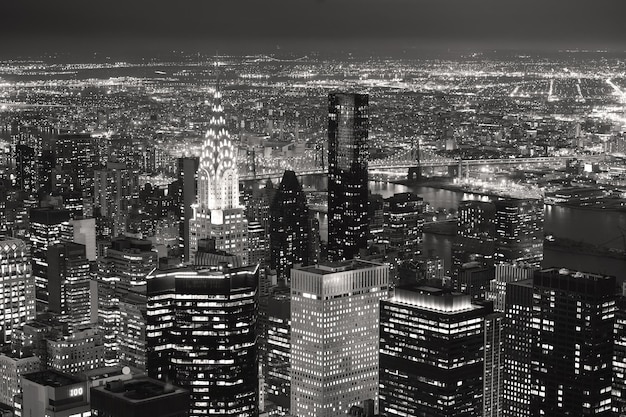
x=218 y=178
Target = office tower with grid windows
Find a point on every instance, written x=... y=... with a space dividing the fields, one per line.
x=48 y=226
x=334 y=335
x=69 y=284
x=202 y=336
x=571 y=369
x=431 y=353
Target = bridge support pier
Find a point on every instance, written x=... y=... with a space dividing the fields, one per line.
x=415 y=173
x=454 y=170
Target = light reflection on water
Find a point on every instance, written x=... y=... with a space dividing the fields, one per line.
x=591 y=226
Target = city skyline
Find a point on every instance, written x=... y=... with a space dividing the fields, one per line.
x=312 y=209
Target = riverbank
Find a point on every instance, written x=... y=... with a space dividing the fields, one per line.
x=575 y=246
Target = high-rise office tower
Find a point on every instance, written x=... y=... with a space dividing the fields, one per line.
x=276 y=364
x=202 y=336
x=505 y=274
x=501 y=231
x=498 y=331
x=125 y=266
x=217 y=212
x=115 y=188
x=27 y=168
x=129 y=259
x=619 y=358
x=289 y=227
x=47 y=227
x=519 y=231
x=475 y=238
x=348 y=152
x=78 y=155
x=188 y=183
x=132 y=330
x=17 y=287
x=493 y=370
x=519 y=338
x=431 y=354
x=573 y=314
x=69 y=282
x=334 y=335
x=403 y=223
x=258 y=244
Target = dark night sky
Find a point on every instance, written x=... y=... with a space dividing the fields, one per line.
x=33 y=26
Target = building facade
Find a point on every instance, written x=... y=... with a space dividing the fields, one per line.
x=289 y=227
x=431 y=354
x=348 y=153
x=573 y=316
x=17 y=287
x=334 y=335
x=217 y=212
x=69 y=284
x=202 y=336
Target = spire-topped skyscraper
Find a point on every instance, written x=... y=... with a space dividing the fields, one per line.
x=217 y=212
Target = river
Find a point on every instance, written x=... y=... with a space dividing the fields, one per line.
x=592 y=226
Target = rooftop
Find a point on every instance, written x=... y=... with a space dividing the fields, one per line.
x=52 y=378
x=325 y=268
x=139 y=389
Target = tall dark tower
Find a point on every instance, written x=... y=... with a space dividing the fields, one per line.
x=289 y=226
x=348 y=124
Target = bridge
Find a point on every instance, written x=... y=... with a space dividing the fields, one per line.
x=311 y=163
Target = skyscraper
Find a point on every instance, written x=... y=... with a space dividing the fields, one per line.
x=217 y=212
x=126 y=266
x=348 y=152
x=519 y=231
x=188 y=183
x=17 y=287
x=475 y=238
x=47 y=227
x=519 y=338
x=493 y=369
x=69 y=282
x=573 y=314
x=403 y=223
x=431 y=354
x=202 y=336
x=334 y=335
x=500 y=231
x=132 y=331
x=619 y=358
x=289 y=227
x=277 y=363
x=78 y=155
x=114 y=190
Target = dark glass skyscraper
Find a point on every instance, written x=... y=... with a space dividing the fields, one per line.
x=69 y=282
x=202 y=336
x=348 y=125
x=571 y=370
x=289 y=227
